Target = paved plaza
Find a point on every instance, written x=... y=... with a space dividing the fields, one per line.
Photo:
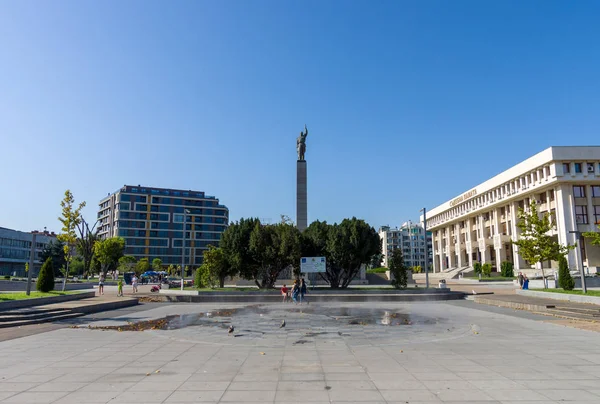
x=327 y=353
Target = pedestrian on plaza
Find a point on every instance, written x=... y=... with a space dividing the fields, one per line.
x=295 y=292
x=120 y=287
x=521 y=279
x=101 y=285
x=303 y=292
x=284 y=293
x=525 y=282
x=134 y=283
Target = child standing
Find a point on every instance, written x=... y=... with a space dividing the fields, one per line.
x=284 y=293
x=120 y=287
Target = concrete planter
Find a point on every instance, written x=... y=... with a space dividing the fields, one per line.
x=561 y=296
x=539 y=284
x=18 y=304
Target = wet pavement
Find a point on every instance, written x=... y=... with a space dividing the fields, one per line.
x=326 y=353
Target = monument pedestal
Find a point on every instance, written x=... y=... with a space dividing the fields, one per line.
x=301 y=196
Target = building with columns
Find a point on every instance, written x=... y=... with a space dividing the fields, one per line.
x=479 y=224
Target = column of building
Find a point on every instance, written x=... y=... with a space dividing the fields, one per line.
x=566 y=222
x=468 y=242
x=484 y=253
x=458 y=246
x=498 y=242
x=519 y=262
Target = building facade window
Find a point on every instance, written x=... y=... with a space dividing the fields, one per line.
x=581 y=215
x=597 y=214
x=566 y=168
x=577 y=167
x=596 y=191
x=579 y=191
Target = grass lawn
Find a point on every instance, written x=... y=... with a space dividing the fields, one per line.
x=33 y=295
x=570 y=292
x=380 y=270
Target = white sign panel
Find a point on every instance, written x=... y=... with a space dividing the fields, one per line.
x=312 y=264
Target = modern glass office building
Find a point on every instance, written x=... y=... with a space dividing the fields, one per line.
x=151 y=221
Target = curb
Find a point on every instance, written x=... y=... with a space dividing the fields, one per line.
x=42 y=301
x=561 y=296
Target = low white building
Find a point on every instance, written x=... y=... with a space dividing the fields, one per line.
x=410 y=237
x=479 y=224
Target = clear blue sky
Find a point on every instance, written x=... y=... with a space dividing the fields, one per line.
x=408 y=103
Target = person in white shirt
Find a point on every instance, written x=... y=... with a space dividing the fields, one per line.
x=134 y=283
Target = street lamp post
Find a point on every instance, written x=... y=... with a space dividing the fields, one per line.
x=581 y=271
x=185 y=213
x=424 y=210
x=31 y=261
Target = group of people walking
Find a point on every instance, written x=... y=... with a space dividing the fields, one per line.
x=297 y=294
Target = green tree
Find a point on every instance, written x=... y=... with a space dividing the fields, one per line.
x=108 y=252
x=157 y=264
x=127 y=263
x=565 y=280
x=171 y=270
x=398 y=270
x=594 y=236
x=77 y=267
x=273 y=248
x=314 y=239
x=215 y=265
x=486 y=269
x=376 y=261
x=142 y=266
x=45 y=279
x=235 y=243
x=350 y=244
x=70 y=219
x=54 y=250
x=477 y=268
x=85 y=244
x=534 y=243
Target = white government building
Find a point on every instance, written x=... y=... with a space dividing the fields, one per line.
x=479 y=224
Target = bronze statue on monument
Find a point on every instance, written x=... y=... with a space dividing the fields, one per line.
x=301 y=144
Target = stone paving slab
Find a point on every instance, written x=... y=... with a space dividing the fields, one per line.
x=327 y=353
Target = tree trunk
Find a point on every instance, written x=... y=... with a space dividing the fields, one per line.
x=64 y=285
x=543 y=276
x=221 y=282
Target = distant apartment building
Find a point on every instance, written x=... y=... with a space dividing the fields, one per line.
x=15 y=250
x=480 y=224
x=151 y=221
x=411 y=239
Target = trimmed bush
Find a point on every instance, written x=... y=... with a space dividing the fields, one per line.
x=7 y=277
x=506 y=269
x=565 y=280
x=45 y=280
x=417 y=270
x=398 y=270
x=486 y=269
x=477 y=268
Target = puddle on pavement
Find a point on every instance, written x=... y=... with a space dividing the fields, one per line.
x=250 y=315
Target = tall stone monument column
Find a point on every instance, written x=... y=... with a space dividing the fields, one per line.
x=301 y=182
x=301 y=197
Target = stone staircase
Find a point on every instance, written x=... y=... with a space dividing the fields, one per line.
x=62 y=311
x=449 y=273
x=17 y=318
